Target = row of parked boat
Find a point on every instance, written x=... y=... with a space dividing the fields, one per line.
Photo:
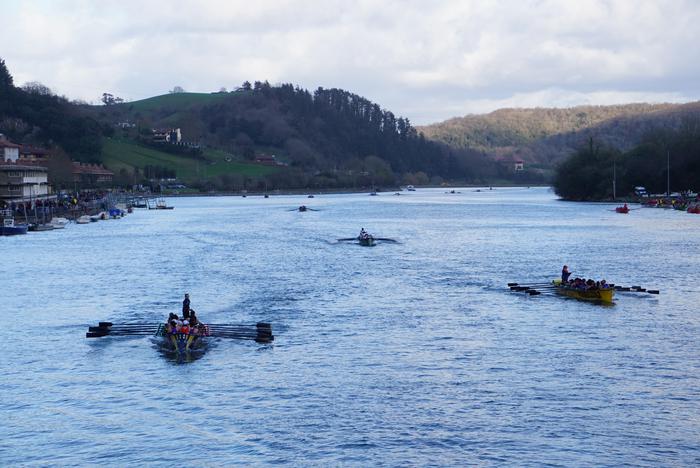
x=9 y=227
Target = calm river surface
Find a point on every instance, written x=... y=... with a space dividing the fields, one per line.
x=406 y=354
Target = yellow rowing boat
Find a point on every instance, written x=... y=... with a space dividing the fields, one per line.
x=596 y=295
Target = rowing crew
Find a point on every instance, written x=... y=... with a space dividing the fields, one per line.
x=580 y=283
x=589 y=284
x=191 y=326
x=364 y=234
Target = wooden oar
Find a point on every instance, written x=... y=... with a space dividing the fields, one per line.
x=530 y=284
x=348 y=239
x=386 y=239
x=636 y=289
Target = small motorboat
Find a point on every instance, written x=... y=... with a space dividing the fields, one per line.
x=694 y=209
x=38 y=227
x=59 y=223
x=84 y=219
x=622 y=209
x=9 y=228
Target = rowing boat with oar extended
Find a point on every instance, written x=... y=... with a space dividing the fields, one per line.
x=604 y=295
x=183 y=341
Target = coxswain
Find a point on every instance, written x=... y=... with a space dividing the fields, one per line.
x=565 y=273
x=186 y=307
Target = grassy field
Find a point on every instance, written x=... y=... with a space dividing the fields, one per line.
x=126 y=154
x=176 y=100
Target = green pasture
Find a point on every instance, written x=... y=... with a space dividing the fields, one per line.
x=125 y=154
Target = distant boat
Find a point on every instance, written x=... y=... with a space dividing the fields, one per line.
x=161 y=205
x=9 y=228
x=84 y=219
x=411 y=188
x=59 y=223
x=38 y=227
x=622 y=209
x=366 y=241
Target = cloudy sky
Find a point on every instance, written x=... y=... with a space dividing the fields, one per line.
x=425 y=60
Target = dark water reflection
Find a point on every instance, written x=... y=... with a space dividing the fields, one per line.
x=402 y=354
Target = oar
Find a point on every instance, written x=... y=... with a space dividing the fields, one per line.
x=385 y=239
x=348 y=239
x=530 y=284
x=636 y=289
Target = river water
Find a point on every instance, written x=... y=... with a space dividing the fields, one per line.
x=412 y=353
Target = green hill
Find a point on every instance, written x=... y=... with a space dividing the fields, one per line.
x=545 y=137
x=121 y=154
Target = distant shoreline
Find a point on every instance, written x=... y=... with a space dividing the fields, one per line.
x=334 y=191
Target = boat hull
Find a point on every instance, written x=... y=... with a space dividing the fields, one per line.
x=594 y=295
x=367 y=242
x=181 y=343
x=13 y=230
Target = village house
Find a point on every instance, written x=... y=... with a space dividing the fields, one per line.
x=268 y=160
x=9 y=152
x=91 y=174
x=167 y=135
x=23 y=182
x=33 y=155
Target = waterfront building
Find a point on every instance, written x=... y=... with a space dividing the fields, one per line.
x=91 y=174
x=21 y=182
x=9 y=152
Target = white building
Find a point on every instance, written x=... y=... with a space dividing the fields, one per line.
x=9 y=152
x=22 y=182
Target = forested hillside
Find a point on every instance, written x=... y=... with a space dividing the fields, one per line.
x=33 y=115
x=329 y=138
x=547 y=136
x=663 y=156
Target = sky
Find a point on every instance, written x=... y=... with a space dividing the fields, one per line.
x=424 y=60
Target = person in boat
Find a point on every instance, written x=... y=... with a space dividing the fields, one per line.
x=186 y=307
x=194 y=323
x=185 y=328
x=603 y=284
x=565 y=273
x=363 y=234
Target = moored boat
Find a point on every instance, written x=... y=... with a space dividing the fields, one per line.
x=84 y=219
x=59 y=223
x=623 y=209
x=9 y=228
x=604 y=295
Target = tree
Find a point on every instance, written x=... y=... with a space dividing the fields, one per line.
x=34 y=87
x=6 y=82
x=110 y=100
x=246 y=86
x=176 y=90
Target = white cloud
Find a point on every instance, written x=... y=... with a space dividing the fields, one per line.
x=425 y=60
